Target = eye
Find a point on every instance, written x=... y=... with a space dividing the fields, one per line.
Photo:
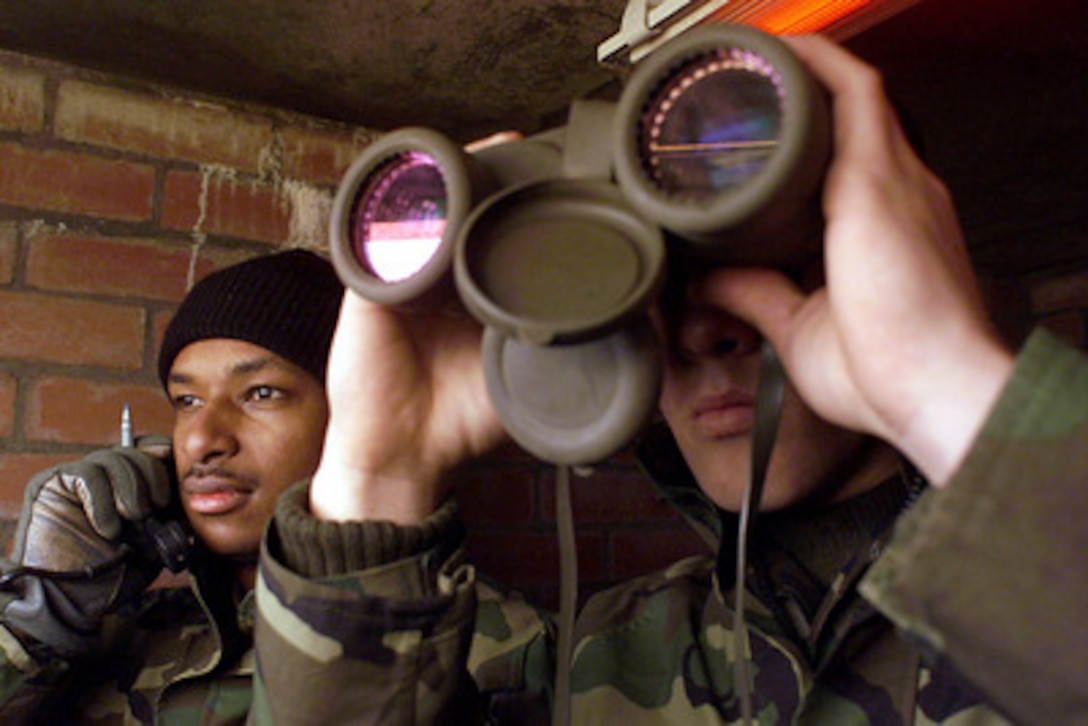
x=725 y=346
x=260 y=394
x=185 y=402
x=745 y=344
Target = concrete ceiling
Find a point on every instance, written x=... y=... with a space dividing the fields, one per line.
x=464 y=66
x=997 y=88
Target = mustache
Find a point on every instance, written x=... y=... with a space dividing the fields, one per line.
x=200 y=471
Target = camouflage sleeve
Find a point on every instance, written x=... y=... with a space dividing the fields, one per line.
x=362 y=622
x=989 y=571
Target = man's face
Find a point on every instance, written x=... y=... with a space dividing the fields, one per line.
x=708 y=400
x=247 y=425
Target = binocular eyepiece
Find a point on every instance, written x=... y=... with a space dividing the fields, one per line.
x=558 y=243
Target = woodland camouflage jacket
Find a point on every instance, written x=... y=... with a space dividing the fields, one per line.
x=986 y=579
x=180 y=654
x=371 y=623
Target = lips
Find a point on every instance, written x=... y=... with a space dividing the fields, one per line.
x=215 y=494
x=724 y=415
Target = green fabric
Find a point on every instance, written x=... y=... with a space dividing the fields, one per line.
x=316 y=548
x=986 y=575
x=660 y=648
x=989 y=572
x=165 y=655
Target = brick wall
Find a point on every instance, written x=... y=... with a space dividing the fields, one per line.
x=114 y=197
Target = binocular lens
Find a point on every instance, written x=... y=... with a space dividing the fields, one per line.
x=399 y=217
x=713 y=125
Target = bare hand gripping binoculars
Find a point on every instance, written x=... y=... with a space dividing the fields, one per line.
x=559 y=243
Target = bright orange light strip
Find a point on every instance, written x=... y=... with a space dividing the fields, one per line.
x=838 y=19
x=792 y=17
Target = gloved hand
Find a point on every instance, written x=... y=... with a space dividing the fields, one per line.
x=79 y=551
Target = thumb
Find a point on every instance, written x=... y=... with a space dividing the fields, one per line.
x=764 y=298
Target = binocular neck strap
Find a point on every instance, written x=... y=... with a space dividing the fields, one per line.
x=568 y=596
x=772 y=380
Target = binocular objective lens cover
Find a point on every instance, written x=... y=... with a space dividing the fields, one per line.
x=578 y=403
x=558 y=261
x=399 y=217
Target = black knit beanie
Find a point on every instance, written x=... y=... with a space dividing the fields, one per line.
x=286 y=302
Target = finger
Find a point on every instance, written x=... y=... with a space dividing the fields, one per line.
x=857 y=89
x=157 y=445
x=91 y=484
x=868 y=137
x=129 y=486
x=154 y=472
x=502 y=137
x=831 y=64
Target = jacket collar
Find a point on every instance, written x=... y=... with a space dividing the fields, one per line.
x=661 y=462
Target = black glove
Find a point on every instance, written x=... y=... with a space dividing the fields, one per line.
x=80 y=547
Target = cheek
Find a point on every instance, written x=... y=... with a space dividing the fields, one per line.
x=676 y=391
x=805 y=438
x=182 y=462
x=808 y=456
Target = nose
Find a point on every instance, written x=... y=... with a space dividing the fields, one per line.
x=207 y=434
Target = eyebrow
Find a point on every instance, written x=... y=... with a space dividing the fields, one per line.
x=241 y=368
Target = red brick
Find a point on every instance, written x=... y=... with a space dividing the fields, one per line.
x=319 y=156
x=224 y=206
x=1057 y=294
x=110 y=266
x=496 y=495
x=76 y=183
x=8 y=231
x=75 y=332
x=610 y=494
x=7 y=404
x=164 y=127
x=159 y=321
x=637 y=552
x=16 y=469
x=531 y=559
x=78 y=411
x=22 y=99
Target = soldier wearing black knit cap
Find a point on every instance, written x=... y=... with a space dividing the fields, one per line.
x=243 y=363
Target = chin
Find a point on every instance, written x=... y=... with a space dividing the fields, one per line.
x=721 y=469
x=230 y=545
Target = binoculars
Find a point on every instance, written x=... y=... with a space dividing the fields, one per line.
x=561 y=243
